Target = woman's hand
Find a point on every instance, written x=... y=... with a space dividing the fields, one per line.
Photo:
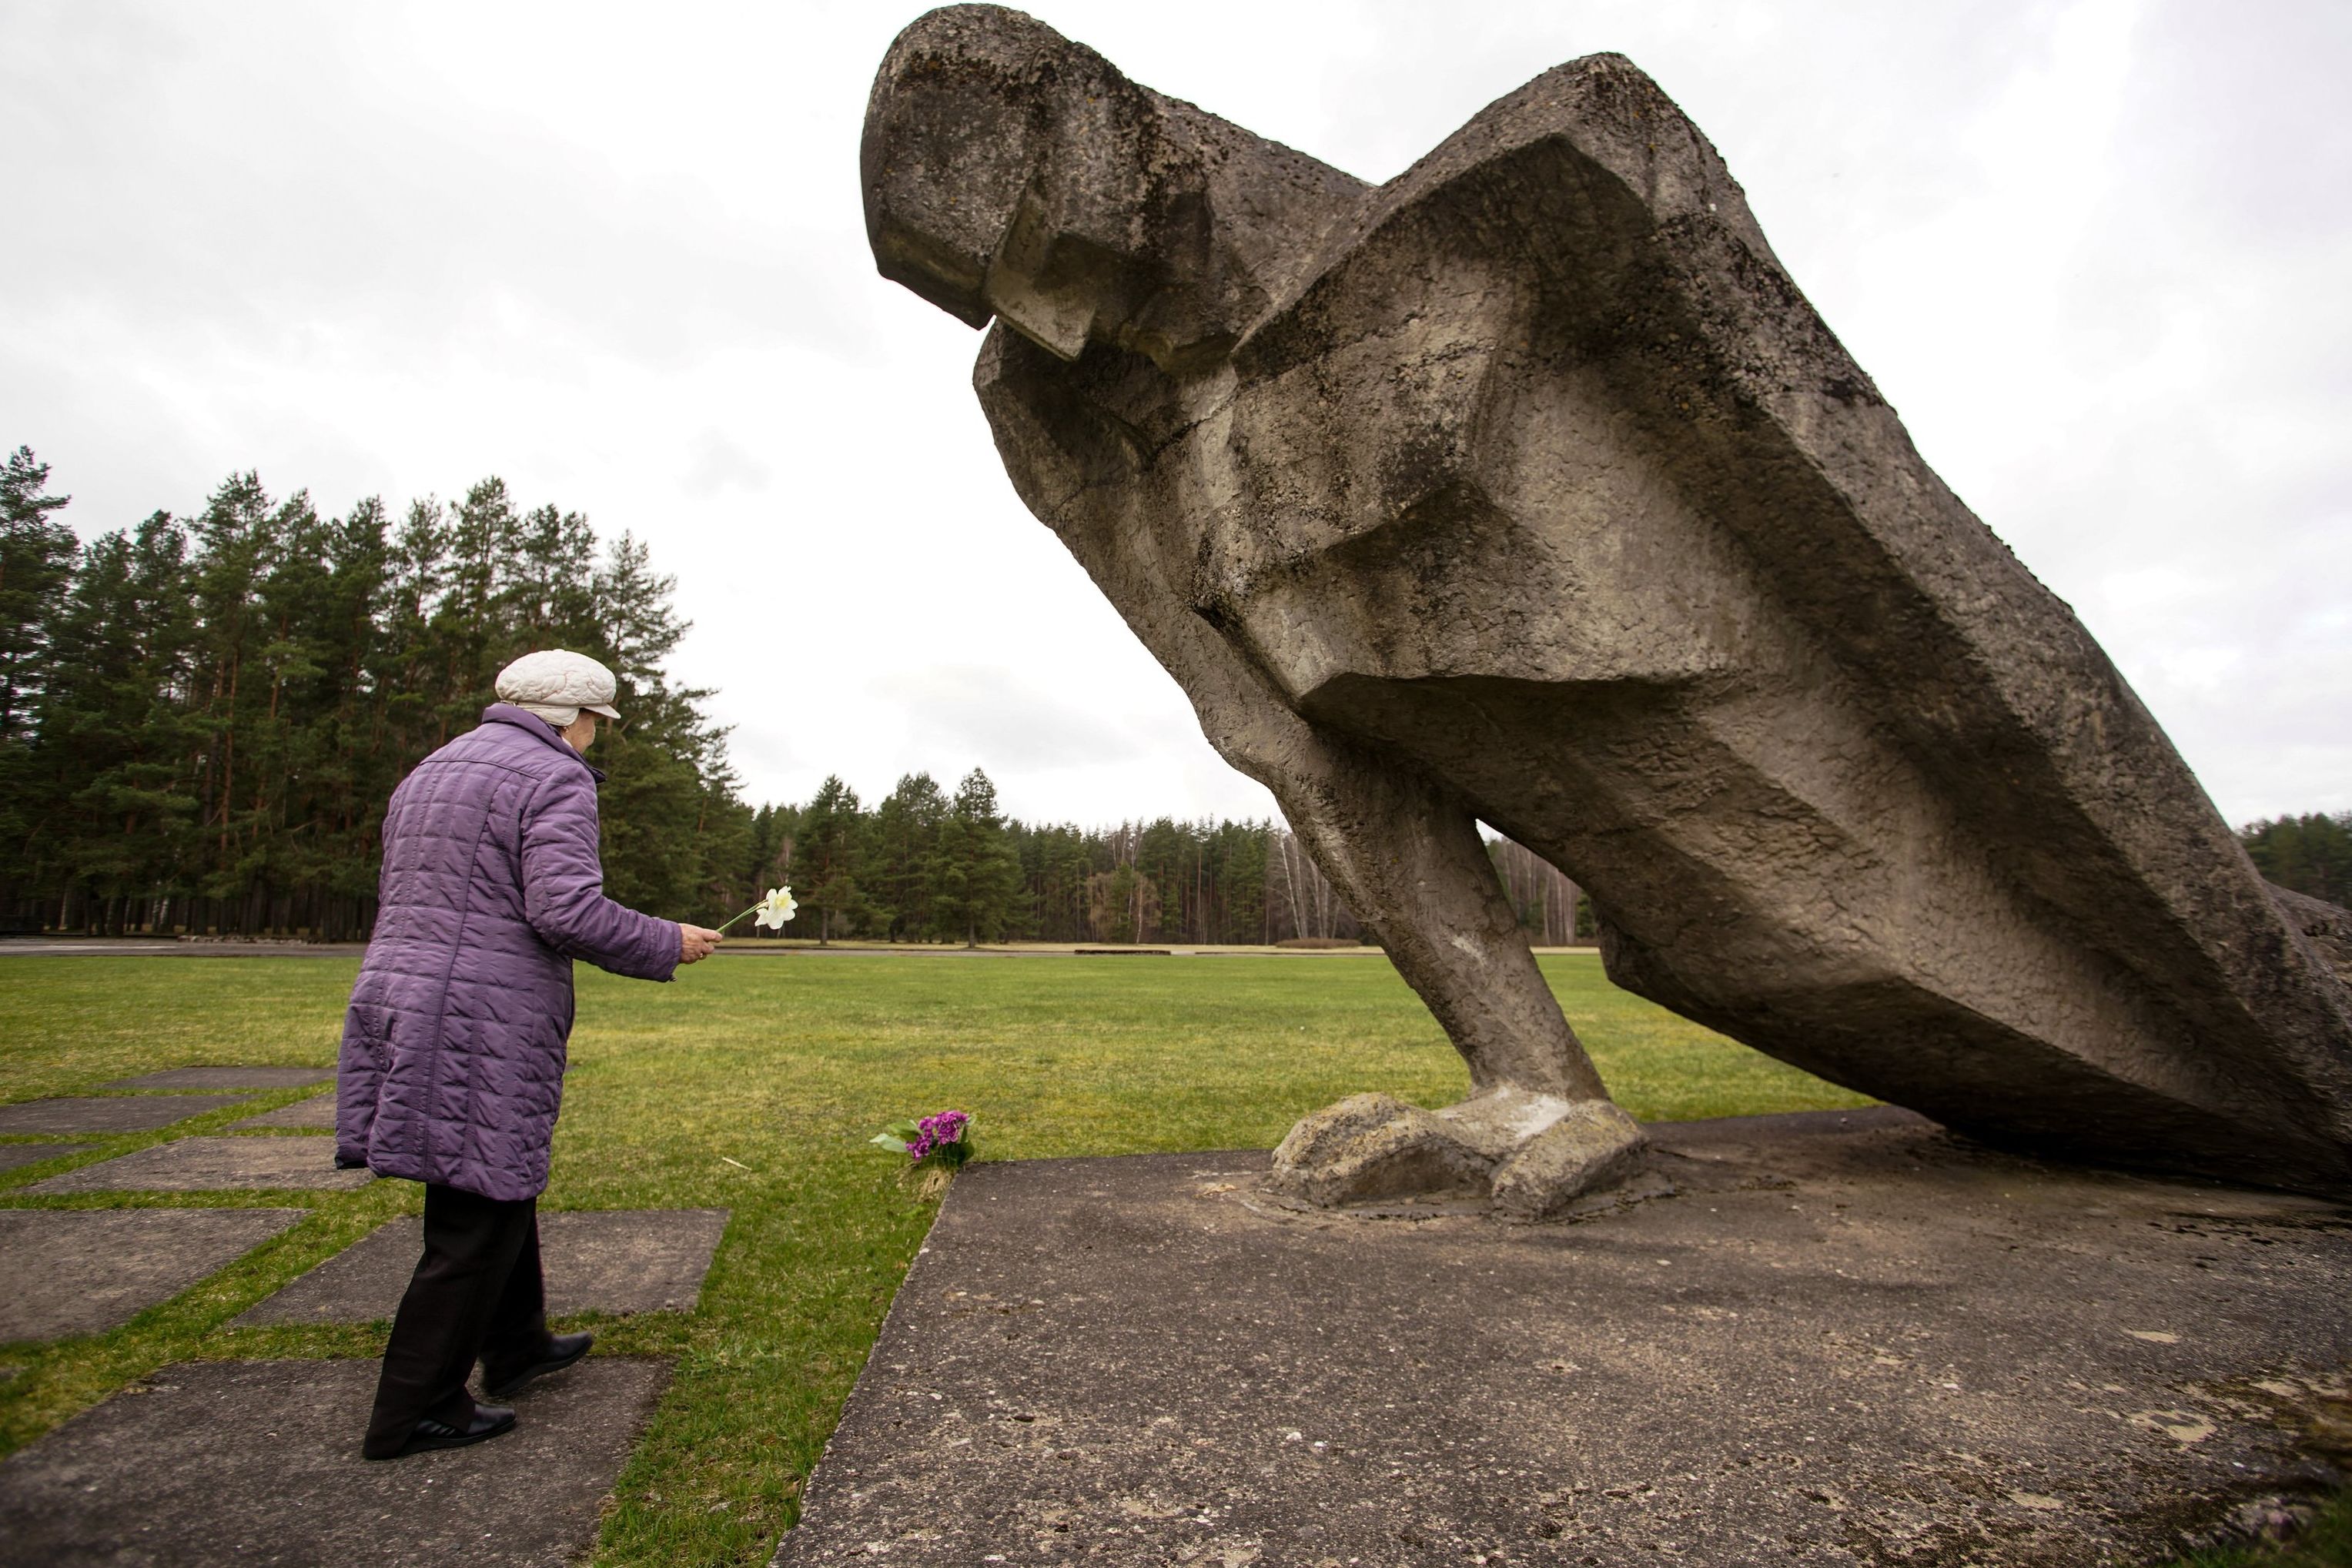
x=696 y=943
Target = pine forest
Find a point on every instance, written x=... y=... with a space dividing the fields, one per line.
x=201 y=716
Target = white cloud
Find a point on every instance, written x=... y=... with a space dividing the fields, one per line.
x=719 y=464
x=2093 y=251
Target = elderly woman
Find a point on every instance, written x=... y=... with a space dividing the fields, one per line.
x=452 y=1065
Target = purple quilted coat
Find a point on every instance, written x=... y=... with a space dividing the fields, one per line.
x=452 y=1050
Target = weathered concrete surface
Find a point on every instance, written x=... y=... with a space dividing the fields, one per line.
x=258 y=1462
x=117 y=1113
x=595 y=1260
x=229 y=1078
x=1527 y=488
x=86 y=1271
x=211 y=1164
x=1851 y=1338
x=314 y=1114
x=1528 y=1155
x=13 y=1155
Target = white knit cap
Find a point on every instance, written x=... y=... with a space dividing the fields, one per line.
x=556 y=685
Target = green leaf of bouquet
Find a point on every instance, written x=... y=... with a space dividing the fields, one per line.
x=890 y=1141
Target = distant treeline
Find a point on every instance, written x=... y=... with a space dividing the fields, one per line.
x=2311 y=855
x=921 y=866
x=201 y=716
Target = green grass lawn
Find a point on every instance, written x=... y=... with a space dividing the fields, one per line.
x=2324 y=1543
x=751 y=1084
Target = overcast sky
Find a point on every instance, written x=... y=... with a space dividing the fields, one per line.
x=2096 y=254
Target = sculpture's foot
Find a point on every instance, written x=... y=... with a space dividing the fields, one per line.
x=1530 y=1155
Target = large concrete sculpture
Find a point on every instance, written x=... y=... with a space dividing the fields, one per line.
x=1527 y=488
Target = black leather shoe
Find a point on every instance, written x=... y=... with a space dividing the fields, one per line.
x=563 y=1350
x=489 y=1421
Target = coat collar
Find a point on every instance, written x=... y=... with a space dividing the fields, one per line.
x=539 y=729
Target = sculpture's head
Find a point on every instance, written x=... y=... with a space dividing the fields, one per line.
x=953 y=139
x=1010 y=172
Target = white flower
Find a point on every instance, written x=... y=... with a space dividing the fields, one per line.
x=775 y=909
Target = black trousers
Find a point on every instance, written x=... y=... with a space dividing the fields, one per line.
x=477 y=1293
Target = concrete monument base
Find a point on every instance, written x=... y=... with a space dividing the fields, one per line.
x=1846 y=1338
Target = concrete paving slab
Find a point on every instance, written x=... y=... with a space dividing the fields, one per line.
x=258 y=1462
x=13 y=1155
x=229 y=1078
x=212 y=1164
x=86 y=1271
x=314 y=1114
x=603 y=1260
x=1845 y=1339
x=116 y=1114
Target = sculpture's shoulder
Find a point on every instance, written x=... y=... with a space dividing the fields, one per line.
x=1608 y=112
x=1585 y=184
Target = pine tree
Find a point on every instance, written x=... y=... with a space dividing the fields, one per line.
x=901 y=856
x=765 y=860
x=826 y=849
x=37 y=558
x=117 y=756
x=979 y=876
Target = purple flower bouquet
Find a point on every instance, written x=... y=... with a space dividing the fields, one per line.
x=936 y=1147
